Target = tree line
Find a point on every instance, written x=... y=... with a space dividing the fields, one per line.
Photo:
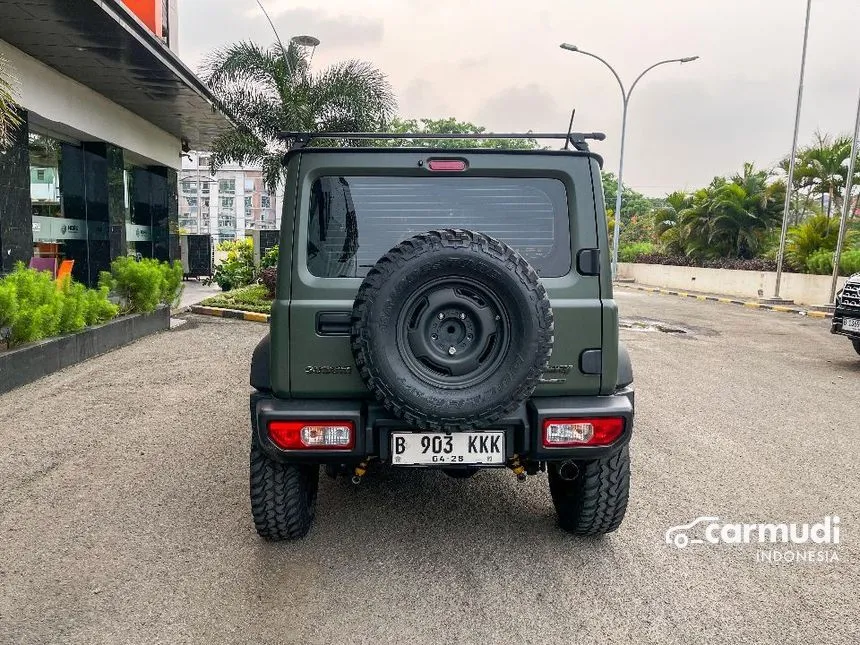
x=735 y=218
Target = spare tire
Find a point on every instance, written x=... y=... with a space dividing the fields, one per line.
x=451 y=330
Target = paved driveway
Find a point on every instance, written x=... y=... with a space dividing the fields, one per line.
x=123 y=507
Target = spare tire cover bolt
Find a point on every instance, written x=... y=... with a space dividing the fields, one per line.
x=498 y=317
x=441 y=315
x=452 y=350
x=462 y=316
x=434 y=336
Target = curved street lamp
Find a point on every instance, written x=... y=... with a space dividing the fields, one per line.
x=625 y=96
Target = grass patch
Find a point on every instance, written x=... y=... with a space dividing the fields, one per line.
x=253 y=298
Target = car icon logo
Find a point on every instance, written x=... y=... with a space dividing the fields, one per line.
x=677 y=535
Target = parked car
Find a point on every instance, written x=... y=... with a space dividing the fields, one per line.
x=442 y=308
x=846 y=316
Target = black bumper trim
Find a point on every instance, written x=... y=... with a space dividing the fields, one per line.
x=374 y=426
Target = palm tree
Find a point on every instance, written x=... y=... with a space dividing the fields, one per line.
x=728 y=218
x=9 y=116
x=667 y=222
x=271 y=90
x=822 y=170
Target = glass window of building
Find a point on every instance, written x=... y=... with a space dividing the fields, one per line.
x=46 y=198
x=227 y=186
x=205 y=187
x=266 y=201
x=249 y=184
x=189 y=186
x=59 y=206
x=138 y=219
x=227 y=203
x=249 y=204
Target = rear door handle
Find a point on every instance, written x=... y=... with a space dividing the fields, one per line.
x=333 y=323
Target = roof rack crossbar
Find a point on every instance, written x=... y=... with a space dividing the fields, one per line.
x=578 y=139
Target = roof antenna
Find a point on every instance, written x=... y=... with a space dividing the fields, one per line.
x=569 y=130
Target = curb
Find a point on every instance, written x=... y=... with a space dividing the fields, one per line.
x=730 y=301
x=250 y=316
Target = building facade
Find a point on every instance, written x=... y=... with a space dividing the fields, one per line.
x=107 y=108
x=226 y=204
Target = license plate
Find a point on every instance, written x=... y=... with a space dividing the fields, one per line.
x=436 y=448
x=851 y=324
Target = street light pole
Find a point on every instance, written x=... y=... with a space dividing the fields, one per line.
x=781 y=255
x=846 y=204
x=625 y=98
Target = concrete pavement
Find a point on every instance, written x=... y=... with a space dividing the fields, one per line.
x=124 y=515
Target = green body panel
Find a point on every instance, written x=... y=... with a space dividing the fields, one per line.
x=610 y=309
x=582 y=319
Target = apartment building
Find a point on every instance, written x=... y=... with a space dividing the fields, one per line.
x=225 y=204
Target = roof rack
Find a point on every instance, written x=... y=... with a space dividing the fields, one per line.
x=578 y=139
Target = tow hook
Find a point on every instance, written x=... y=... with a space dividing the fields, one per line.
x=360 y=471
x=518 y=468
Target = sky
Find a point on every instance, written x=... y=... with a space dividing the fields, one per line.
x=498 y=63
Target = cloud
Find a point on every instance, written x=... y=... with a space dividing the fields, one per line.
x=423 y=99
x=206 y=25
x=519 y=109
x=497 y=63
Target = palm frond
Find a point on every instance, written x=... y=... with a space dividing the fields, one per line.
x=353 y=93
x=9 y=116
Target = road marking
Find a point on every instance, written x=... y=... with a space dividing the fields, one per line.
x=743 y=303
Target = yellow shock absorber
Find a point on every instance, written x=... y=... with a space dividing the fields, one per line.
x=360 y=471
x=518 y=468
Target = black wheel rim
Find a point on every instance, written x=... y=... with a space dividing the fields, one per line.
x=453 y=332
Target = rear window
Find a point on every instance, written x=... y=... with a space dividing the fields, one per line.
x=355 y=220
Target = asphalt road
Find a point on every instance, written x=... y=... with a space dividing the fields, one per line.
x=124 y=514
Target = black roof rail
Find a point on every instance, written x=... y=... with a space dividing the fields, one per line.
x=578 y=139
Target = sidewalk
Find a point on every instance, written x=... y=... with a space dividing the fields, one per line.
x=698 y=295
x=195 y=291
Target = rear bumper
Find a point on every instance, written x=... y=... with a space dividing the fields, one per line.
x=374 y=425
x=839 y=315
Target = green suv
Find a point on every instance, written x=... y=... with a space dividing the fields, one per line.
x=442 y=308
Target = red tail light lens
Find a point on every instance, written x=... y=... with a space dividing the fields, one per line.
x=598 y=431
x=312 y=435
x=447 y=165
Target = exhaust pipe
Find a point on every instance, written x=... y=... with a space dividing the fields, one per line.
x=568 y=471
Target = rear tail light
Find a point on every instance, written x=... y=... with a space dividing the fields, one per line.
x=598 y=431
x=312 y=435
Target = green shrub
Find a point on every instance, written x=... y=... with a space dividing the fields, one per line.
x=143 y=285
x=98 y=308
x=171 y=288
x=849 y=263
x=818 y=233
x=253 y=298
x=32 y=307
x=270 y=258
x=820 y=262
x=238 y=269
x=631 y=252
